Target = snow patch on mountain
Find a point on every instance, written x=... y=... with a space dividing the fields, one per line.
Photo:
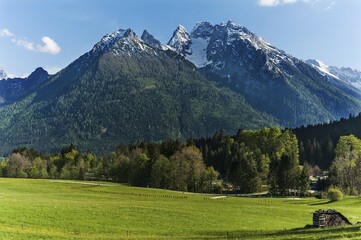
x=108 y=40
x=346 y=75
x=321 y=67
x=216 y=45
x=124 y=41
x=198 y=52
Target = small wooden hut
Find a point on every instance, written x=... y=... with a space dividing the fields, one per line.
x=329 y=218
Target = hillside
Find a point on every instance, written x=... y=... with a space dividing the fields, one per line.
x=122 y=91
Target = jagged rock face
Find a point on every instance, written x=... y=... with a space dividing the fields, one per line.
x=120 y=41
x=180 y=41
x=150 y=40
x=223 y=46
x=270 y=79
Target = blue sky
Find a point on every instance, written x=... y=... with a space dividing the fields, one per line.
x=53 y=33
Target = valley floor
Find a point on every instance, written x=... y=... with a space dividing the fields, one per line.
x=47 y=209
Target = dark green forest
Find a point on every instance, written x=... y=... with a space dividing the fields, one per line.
x=317 y=143
x=245 y=161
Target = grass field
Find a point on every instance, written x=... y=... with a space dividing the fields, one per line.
x=46 y=209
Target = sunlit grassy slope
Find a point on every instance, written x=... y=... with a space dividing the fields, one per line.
x=46 y=209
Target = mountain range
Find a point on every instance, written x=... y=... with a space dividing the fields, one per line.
x=271 y=80
x=129 y=88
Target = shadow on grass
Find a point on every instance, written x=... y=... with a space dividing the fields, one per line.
x=308 y=202
x=321 y=203
x=318 y=233
x=296 y=233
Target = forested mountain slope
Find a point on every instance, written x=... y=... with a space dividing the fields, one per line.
x=122 y=91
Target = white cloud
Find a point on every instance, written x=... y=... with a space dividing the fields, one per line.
x=24 y=43
x=48 y=45
x=6 y=33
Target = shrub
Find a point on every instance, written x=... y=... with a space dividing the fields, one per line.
x=334 y=193
x=321 y=195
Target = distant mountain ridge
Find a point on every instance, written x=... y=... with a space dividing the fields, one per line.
x=347 y=75
x=12 y=89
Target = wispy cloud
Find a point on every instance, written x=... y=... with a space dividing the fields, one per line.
x=48 y=45
x=24 y=43
x=330 y=5
x=273 y=3
x=6 y=33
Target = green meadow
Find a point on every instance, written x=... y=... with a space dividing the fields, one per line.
x=51 y=209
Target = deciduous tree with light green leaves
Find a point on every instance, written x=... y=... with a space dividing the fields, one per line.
x=346 y=168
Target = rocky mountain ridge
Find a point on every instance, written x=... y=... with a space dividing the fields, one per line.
x=271 y=80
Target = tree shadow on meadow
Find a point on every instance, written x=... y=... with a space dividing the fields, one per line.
x=321 y=203
x=296 y=233
x=308 y=202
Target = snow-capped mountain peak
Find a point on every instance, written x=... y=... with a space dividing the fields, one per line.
x=121 y=41
x=108 y=40
x=129 y=33
x=209 y=44
x=180 y=39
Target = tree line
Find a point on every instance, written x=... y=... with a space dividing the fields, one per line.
x=244 y=162
x=181 y=168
